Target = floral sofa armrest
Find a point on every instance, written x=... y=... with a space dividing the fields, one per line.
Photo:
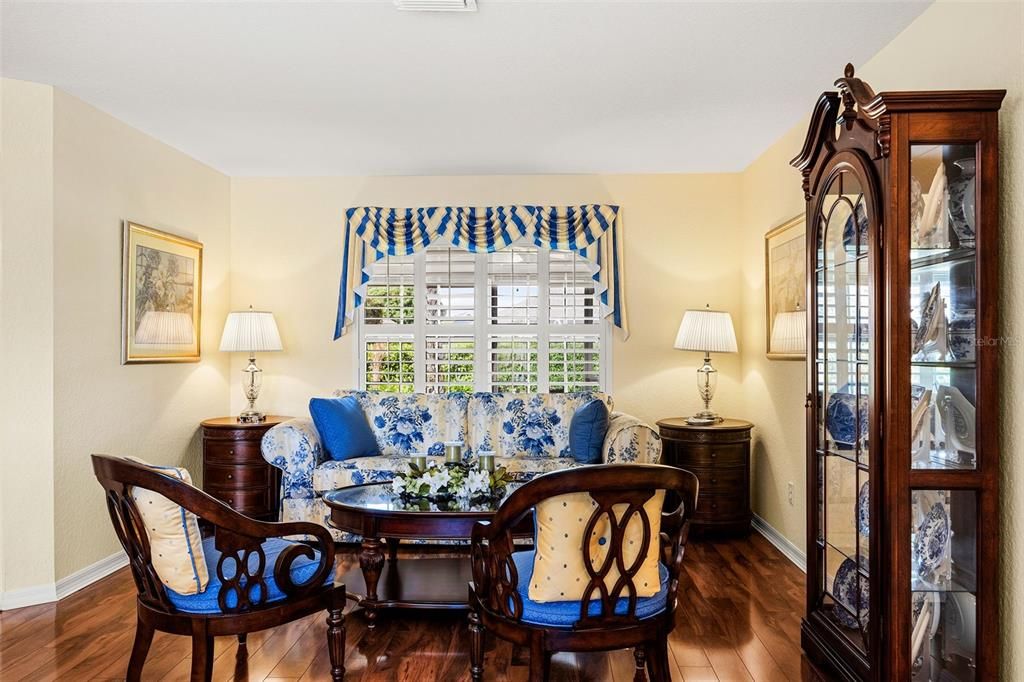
x=294 y=448
x=631 y=440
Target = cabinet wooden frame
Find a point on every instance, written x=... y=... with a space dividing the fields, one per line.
x=871 y=137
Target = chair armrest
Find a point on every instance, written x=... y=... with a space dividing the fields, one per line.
x=631 y=440
x=294 y=447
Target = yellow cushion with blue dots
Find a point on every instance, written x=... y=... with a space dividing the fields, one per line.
x=559 y=573
x=174 y=539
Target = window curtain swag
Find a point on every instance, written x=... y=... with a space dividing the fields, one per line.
x=594 y=231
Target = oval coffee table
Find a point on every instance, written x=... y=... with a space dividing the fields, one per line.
x=426 y=583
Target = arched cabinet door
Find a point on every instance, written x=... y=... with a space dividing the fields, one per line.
x=845 y=214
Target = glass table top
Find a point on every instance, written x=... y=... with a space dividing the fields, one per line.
x=379 y=497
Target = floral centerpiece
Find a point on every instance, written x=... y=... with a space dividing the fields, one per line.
x=450 y=481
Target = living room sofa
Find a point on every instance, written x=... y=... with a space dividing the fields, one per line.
x=528 y=432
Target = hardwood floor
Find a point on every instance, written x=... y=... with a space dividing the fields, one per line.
x=739 y=619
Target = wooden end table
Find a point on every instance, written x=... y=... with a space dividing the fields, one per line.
x=382 y=520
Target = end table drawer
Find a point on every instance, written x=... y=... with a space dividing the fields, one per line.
x=713 y=507
x=723 y=480
x=231 y=477
x=231 y=452
x=249 y=500
x=711 y=455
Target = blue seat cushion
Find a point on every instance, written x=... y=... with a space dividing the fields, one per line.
x=343 y=428
x=567 y=613
x=206 y=601
x=587 y=431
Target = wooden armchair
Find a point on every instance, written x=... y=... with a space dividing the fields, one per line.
x=245 y=601
x=605 y=618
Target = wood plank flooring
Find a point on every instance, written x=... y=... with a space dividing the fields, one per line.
x=739 y=619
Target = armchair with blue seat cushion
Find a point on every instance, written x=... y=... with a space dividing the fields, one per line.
x=600 y=542
x=529 y=433
x=256 y=578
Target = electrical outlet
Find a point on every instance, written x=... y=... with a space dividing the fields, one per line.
x=790 y=489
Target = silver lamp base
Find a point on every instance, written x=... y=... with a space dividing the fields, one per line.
x=251 y=417
x=704 y=418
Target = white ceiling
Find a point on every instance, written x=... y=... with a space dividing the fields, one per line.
x=359 y=88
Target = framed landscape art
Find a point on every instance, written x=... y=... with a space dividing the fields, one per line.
x=785 y=269
x=161 y=291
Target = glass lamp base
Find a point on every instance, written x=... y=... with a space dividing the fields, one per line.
x=252 y=417
x=704 y=418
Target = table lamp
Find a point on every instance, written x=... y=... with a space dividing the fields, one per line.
x=251 y=331
x=706 y=331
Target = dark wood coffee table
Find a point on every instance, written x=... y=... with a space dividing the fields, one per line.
x=380 y=518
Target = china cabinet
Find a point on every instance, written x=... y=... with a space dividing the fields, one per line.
x=902 y=409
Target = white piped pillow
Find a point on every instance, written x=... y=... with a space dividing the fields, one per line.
x=174 y=539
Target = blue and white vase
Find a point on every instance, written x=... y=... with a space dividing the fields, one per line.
x=962 y=335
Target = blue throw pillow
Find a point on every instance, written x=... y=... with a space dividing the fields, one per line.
x=343 y=428
x=586 y=432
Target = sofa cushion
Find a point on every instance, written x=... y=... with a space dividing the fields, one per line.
x=561 y=522
x=414 y=422
x=343 y=428
x=332 y=475
x=525 y=424
x=567 y=613
x=302 y=570
x=586 y=432
x=173 y=532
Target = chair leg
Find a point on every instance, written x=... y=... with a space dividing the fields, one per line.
x=336 y=637
x=202 y=657
x=540 y=661
x=242 y=639
x=657 y=660
x=638 y=671
x=143 y=639
x=476 y=647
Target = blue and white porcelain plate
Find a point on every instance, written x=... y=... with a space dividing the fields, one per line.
x=930 y=540
x=841 y=414
x=844 y=589
x=863 y=510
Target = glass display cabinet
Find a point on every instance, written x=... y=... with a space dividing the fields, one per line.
x=902 y=408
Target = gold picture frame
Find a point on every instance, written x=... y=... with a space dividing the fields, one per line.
x=161 y=296
x=785 y=283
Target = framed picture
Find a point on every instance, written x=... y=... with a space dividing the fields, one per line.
x=785 y=268
x=161 y=290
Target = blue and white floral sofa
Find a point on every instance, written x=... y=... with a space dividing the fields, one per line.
x=528 y=432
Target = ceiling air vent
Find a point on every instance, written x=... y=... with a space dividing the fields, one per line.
x=436 y=5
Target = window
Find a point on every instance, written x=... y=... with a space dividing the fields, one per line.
x=521 y=319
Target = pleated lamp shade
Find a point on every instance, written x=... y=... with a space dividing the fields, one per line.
x=164 y=328
x=789 y=332
x=706 y=331
x=250 y=331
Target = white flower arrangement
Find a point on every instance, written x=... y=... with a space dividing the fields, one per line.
x=449 y=481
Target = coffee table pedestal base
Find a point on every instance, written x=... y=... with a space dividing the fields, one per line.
x=409 y=583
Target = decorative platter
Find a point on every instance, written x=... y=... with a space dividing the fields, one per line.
x=961 y=202
x=845 y=590
x=930 y=541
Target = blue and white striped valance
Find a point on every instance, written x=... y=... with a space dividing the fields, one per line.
x=592 y=230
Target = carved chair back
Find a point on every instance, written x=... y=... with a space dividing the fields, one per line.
x=242 y=565
x=619 y=492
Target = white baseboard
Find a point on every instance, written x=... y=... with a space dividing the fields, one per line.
x=87 y=576
x=27 y=596
x=781 y=542
x=44 y=594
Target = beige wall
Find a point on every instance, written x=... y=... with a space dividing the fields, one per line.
x=26 y=336
x=104 y=172
x=950 y=46
x=680 y=252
